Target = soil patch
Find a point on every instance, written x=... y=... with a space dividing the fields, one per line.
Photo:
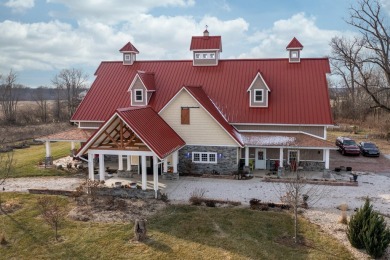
x=10 y=206
x=114 y=210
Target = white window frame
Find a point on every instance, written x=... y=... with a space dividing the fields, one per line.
x=127 y=57
x=204 y=155
x=135 y=95
x=205 y=56
x=294 y=55
x=262 y=95
x=288 y=156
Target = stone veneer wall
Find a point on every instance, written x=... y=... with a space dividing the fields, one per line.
x=226 y=164
x=312 y=166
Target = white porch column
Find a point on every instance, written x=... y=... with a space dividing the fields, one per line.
x=72 y=145
x=48 y=149
x=101 y=168
x=246 y=156
x=165 y=169
x=155 y=175
x=128 y=163
x=120 y=162
x=175 y=158
x=144 y=177
x=281 y=157
x=326 y=158
x=91 y=175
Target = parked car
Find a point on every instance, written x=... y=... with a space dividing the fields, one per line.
x=369 y=149
x=347 y=146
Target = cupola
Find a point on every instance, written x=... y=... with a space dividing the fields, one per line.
x=206 y=49
x=294 y=48
x=129 y=53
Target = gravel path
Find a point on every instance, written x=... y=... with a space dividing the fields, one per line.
x=58 y=183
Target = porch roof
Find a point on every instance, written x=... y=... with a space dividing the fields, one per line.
x=72 y=135
x=297 y=140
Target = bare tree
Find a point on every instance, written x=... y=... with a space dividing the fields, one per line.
x=72 y=82
x=365 y=60
x=6 y=168
x=9 y=96
x=52 y=212
x=42 y=103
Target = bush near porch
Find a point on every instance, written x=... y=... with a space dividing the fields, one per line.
x=26 y=160
x=177 y=232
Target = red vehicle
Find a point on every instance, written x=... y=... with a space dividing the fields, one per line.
x=347 y=146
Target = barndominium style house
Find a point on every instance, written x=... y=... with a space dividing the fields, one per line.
x=207 y=114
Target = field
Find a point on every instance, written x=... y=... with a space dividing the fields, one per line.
x=177 y=232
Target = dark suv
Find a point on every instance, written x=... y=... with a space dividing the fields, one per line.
x=347 y=146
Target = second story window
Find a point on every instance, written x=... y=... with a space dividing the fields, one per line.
x=139 y=95
x=258 y=95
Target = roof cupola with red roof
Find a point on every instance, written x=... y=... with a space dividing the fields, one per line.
x=206 y=49
x=294 y=48
x=129 y=53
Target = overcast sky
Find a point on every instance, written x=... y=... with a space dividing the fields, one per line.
x=38 y=38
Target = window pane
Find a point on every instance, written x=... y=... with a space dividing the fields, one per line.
x=212 y=157
x=204 y=157
x=196 y=157
x=138 y=95
x=204 y=55
x=197 y=56
x=259 y=96
x=212 y=55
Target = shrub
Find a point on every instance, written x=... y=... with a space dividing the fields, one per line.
x=210 y=203
x=357 y=225
x=376 y=237
x=196 y=197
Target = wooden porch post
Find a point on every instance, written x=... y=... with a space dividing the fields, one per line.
x=144 y=177
x=120 y=162
x=246 y=156
x=91 y=174
x=128 y=163
x=155 y=175
x=101 y=167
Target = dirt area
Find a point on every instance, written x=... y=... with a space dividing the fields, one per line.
x=114 y=210
x=360 y=163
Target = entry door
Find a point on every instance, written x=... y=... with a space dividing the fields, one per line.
x=260 y=161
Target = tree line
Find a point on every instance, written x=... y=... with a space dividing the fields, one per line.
x=361 y=65
x=57 y=102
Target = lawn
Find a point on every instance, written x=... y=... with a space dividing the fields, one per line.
x=26 y=160
x=177 y=232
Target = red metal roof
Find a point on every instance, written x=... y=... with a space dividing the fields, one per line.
x=299 y=91
x=129 y=48
x=152 y=129
x=294 y=44
x=148 y=80
x=206 y=43
x=75 y=134
x=199 y=94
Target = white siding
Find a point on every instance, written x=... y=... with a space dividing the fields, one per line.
x=202 y=130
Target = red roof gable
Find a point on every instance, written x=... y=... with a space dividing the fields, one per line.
x=294 y=44
x=129 y=48
x=299 y=91
x=154 y=131
x=148 y=80
x=199 y=94
x=206 y=43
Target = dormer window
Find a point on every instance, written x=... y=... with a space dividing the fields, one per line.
x=129 y=54
x=294 y=54
x=206 y=49
x=294 y=48
x=139 y=97
x=258 y=95
x=127 y=57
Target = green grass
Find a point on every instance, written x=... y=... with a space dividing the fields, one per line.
x=26 y=160
x=178 y=232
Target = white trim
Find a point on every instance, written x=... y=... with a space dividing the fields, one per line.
x=183 y=88
x=208 y=157
x=86 y=121
x=122 y=152
x=282 y=132
x=95 y=127
x=254 y=80
x=277 y=124
x=218 y=145
x=219 y=50
x=255 y=94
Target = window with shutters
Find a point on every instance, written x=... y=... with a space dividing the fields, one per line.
x=185 y=116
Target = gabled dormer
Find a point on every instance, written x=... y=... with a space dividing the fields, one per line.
x=258 y=92
x=129 y=53
x=206 y=49
x=142 y=88
x=294 y=48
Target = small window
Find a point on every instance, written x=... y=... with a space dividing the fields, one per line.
x=197 y=55
x=204 y=157
x=294 y=54
x=139 y=95
x=127 y=57
x=185 y=116
x=258 y=95
x=204 y=55
x=212 y=56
